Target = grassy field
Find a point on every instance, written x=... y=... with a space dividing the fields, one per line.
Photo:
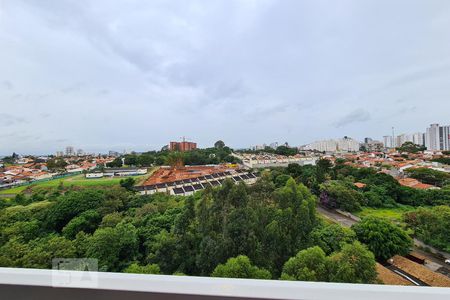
x=13 y=191
x=78 y=180
x=392 y=214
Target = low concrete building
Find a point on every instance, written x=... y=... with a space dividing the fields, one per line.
x=94 y=175
x=117 y=172
x=188 y=186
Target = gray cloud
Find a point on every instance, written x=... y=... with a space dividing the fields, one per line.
x=72 y=88
x=231 y=89
x=45 y=115
x=356 y=116
x=9 y=120
x=103 y=92
x=61 y=140
x=137 y=74
x=7 y=85
x=426 y=73
x=266 y=112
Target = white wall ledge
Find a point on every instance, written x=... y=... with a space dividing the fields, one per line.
x=40 y=284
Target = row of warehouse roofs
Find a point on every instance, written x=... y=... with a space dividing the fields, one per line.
x=189 y=186
x=202 y=179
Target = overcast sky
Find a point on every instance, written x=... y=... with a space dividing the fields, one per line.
x=115 y=75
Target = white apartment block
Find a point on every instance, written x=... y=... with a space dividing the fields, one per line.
x=393 y=142
x=444 y=138
x=437 y=138
x=401 y=139
x=418 y=138
x=432 y=137
x=335 y=145
x=388 y=141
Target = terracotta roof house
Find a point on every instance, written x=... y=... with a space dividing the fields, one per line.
x=414 y=183
x=360 y=185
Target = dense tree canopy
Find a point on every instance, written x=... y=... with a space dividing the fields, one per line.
x=338 y=194
x=191 y=235
x=352 y=264
x=70 y=205
x=113 y=246
x=331 y=237
x=240 y=267
x=219 y=144
x=442 y=160
x=116 y=163
x=56 y=164
x=410 y=147
x=287 y=151
x=280 y=150
x=267 y=230
x=431 y=225
x=214 y=155
x=127 y=183
x=382 y=238
x=86 y=221
x=43 y=250
x=147 y=269
x=308 y=265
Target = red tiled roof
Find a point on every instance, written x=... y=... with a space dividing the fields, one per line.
x=360 y=185
x=164 y=175
x=414 y=183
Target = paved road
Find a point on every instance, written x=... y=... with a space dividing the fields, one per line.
x=347 y=222
x=419 y=243
x=336 y=217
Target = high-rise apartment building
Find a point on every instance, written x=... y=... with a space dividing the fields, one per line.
x=437 y=137
x=418 y=138
x=400 y=140
x=70 y=151
x=444 y=138
x=388 y=141
x=432 y=137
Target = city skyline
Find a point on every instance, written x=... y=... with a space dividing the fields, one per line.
x=420 y=137
x=132 y=75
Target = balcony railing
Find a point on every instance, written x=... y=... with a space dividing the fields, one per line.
x=68 y=285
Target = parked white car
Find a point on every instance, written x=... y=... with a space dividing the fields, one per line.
x=447 y=261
